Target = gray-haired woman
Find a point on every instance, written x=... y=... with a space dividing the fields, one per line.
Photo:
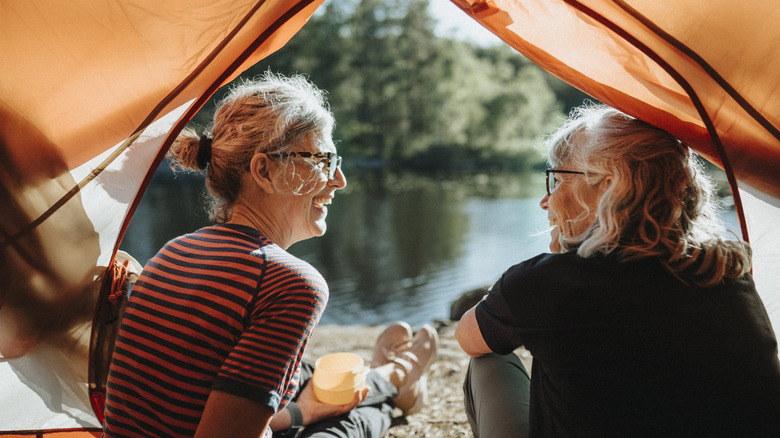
x=211 y=342
x=643 y=322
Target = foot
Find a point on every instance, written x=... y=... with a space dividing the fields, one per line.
x=413 y=387
x=396 y=339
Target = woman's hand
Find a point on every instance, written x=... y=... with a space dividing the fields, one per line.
x=313 y=410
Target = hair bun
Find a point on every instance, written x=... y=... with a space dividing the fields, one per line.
x=204 y=151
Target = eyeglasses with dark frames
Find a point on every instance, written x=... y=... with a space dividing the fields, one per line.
x=321 y=159
x=551 y=182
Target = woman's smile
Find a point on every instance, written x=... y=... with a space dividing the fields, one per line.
x=319 y=204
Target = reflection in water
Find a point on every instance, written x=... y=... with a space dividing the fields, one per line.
x=397 y=246
x=404 y=246
x=382 y=244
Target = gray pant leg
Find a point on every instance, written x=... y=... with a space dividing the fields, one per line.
x=362 y=422
x=497 y=394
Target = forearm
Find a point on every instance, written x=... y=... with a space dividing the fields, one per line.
x=280 y=421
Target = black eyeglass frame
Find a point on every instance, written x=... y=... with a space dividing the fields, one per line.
x=333 y=161
x=554 y=171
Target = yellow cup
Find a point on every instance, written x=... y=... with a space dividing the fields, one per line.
x=338 y=376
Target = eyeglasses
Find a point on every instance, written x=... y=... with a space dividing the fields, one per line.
x=321 y=160
x=550 y=177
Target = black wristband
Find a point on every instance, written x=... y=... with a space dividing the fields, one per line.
x=296 y=416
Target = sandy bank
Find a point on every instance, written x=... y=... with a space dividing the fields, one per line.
x=443 y=416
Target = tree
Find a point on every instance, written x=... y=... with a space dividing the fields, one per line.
x=400 y=93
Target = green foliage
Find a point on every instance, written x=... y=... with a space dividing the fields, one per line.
x=402 y=95
x=567 y=95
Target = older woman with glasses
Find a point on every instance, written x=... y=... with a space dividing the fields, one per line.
x=212 y=338
x=644 y=320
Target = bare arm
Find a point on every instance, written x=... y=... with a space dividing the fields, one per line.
x=469 y=337
x=230 y=415
x=281 y=420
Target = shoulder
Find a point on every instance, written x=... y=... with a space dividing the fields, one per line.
x=286 y=274
x=546 y=265
x=282 y=263
x=566 y=276
x=246 y=249
x=219 y=241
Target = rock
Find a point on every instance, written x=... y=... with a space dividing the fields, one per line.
x=466 y=301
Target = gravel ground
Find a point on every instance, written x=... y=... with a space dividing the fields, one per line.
x=443 y=416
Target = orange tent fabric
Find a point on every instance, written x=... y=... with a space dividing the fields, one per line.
x=80 y=79
x=681 y=65
x=56 y=434
x=91 y=95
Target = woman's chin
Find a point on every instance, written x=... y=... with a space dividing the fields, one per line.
x=555 y=244
x=318 y=228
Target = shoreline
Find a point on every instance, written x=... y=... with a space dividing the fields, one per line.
x=444 y=414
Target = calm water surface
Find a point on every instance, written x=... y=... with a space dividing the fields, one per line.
x=398 y=246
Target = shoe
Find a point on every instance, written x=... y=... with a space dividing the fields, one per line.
x=396 y=338
x=413 y=388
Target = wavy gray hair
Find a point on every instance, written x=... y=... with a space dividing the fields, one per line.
x=271 y=114
x=659 y=202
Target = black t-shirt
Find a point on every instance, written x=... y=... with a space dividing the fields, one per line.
x=628 y=349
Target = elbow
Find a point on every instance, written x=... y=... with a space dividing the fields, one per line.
x=465 y=341
x=459 y=336
x=474 y=354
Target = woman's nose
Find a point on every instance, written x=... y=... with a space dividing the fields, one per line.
x=339 y=179
x=543 y=202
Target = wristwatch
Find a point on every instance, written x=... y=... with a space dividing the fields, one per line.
x=296 y=416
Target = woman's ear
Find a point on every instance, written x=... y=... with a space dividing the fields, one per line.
x=260 y=171
x=607 y=182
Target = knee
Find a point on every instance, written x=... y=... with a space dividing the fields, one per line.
x=495 y=367
x=496 y=395
x=493 y=363
x=492 y=360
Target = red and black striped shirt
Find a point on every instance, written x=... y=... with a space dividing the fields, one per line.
x=223 y=308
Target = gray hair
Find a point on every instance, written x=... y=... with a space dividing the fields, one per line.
x=659 y=202
x=271 y=114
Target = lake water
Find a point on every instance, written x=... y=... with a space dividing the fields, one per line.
x=398 y=246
